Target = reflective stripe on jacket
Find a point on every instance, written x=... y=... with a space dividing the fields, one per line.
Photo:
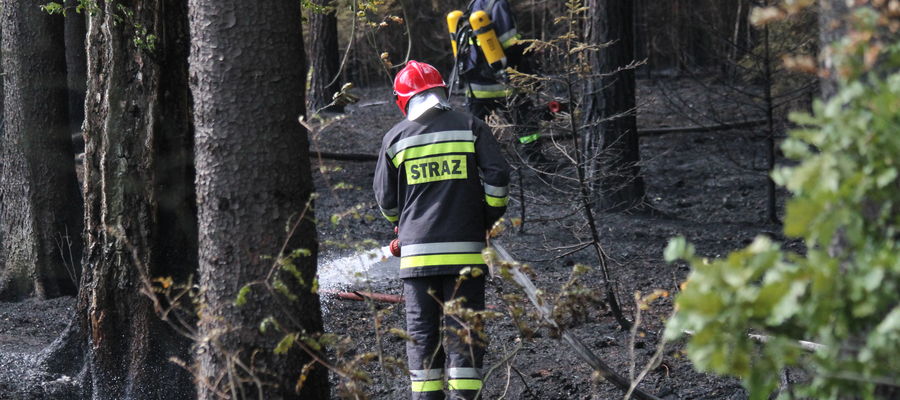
x=443 y=179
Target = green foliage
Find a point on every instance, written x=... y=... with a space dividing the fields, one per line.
x=844 y=291
x=241 y=298
x=54 y=8
x=142 y=38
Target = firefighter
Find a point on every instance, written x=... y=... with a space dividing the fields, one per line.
x=486 y=89
x=441 y=179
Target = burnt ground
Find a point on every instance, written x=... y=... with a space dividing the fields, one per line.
x=699 y=185
x=703 y=186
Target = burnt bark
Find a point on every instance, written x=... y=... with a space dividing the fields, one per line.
x=253 y=181
x=612 y=145
x=324 y=58
x=140 y=221
x=40 y=208
x=76 y=64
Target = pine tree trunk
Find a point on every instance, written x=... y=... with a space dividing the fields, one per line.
x=324 y=58
x=40 y=208
x=76 y=64
x=139 y=216
x=253 y=181
x=611 y=98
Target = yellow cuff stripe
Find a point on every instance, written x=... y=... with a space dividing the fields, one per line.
x=464 y=384
x=441 y=259
x=496 y=201
x=390 y=218
x=490 y=94
x=427 y=386
x=511 y=41
x=433 y=150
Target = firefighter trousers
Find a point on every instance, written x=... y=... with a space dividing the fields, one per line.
x=462 y=351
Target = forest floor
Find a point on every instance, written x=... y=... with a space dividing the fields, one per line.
x=707 y=187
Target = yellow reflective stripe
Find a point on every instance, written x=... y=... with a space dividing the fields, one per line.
x=530 y=138
x=464 y=384
x=391 y=218
x=430 y=138
x=433 y=149
x=496 y=201
x=441 y=259
x=427 y=386
x=489 y=94
x=510 y=40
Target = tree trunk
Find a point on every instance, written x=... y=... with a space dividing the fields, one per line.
x=611 y=99
x=140 y=218
x=253 y=181
x=76 y=64
x=324 y=58
x=40 y=208
x=832 y=27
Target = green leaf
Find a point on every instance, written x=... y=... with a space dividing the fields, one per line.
x=286 y=343
x=886 y=177
x=53 y=8
x=242 y=296
x=678 y=249
x=266 y=323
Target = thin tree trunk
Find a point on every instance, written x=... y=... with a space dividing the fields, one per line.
x=76 y=64
x=832 y=26
x=139 y=216
x=771 y=194
x=612 y=100
x=324 y=58
x=253 y=181
x=40 y=211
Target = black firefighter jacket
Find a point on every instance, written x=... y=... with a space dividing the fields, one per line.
x=443 y=179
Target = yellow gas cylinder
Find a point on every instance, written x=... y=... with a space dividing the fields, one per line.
x=487 y=39
x=452 y=22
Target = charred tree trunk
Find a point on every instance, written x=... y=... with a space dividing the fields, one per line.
x=324 y=58
x=76 y=65
x=253 y=180
x=140 y=218
x=771 y=193
x=613 y=144
x=40 y=208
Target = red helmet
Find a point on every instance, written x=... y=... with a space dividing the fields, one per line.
x=415 y=78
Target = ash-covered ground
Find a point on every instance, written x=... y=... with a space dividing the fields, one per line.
x=708 y=187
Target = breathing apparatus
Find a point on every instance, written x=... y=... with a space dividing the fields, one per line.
x=477 y=29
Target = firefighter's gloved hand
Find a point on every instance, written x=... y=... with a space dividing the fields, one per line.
x=395 y=244
x=395 y=247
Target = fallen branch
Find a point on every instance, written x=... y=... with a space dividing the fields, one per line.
x=808 y=346
x=642 y=132
x=363 y=296
x=712 y=128
x=803 y=344
x=582 y=351
x=346 y=156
